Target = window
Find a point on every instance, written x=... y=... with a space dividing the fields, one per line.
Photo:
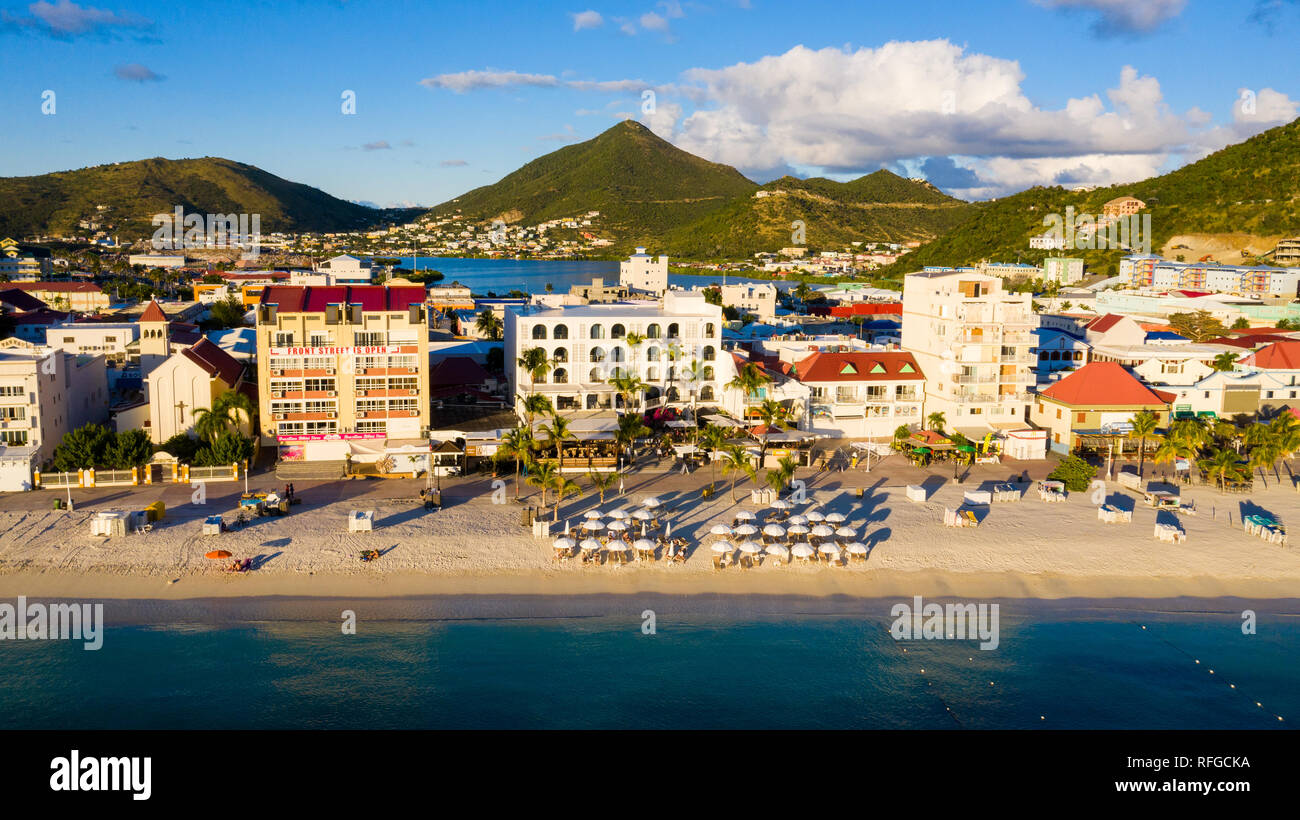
x=709 y=353
x=652 y=354
x=845 y=393
x=403 y=383
x=596 y=332
x=707 y=373
x=319 y=338
x=597 y=354
x=539 y=331
x=284 y=338
x=1058 y=412
x=1080 y=418
x=319 y=384
x=369 y=338
x=560 y=376
x=708 y=329
x=14 y=438
x=368 y=426
x=616 y=354
x=560 y=332
x=594 y=376
x=673 y=331
x=877 y=392
x=706 y=393
x=617 y=332
x=14 y=412
x=652 y=332
x=11 y=390
x=561 y=355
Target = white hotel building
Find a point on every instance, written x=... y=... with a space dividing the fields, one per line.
x=681 y=358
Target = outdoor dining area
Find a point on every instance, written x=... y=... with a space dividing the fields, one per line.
x=644 y=535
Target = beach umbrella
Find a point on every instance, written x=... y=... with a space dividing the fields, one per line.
x=797 y=519
x=650 y=502
x=617 y=545
x=593 y=525
x=777 y=549
x=744 y=515
x=774 y=530
x=779 y=505
x=563 y=543
x=617 y=526
x=802 y=550
x=746 y=530
x=835 y=518
x=814 y=516
x=749 y=547
x=668 y=530
x=797 y=529
x=617 y=515
x=721 y=546
x=829 y=549
x=644 y=544
x=719 y=529
x=856 y=548
x=643 y=515
x=822 y=531
x=592 y=515
x=845 y=532
x=218 y=554
x=566 y=526
x=589 y=544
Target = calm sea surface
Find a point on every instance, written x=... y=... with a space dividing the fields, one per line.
x=813 y=672
x=532 y=276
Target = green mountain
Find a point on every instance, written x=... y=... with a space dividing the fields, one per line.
x=135 y=191
x=878 y=207
x=1249 y=190
x=652 y=193
x=641 y=185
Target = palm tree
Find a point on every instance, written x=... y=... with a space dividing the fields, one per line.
x=627 y=387
x=557 y=432
x=1144 y=430
x=208 y=424
x=634 y=342
x=535 y=363
x=237 y=407
x=901 y=434
x=713 y=438
x=771 y=413
x=1222 y=463
x=937 y=421
x=630 y=428
x=735 y=463
x=543 y=477
x=562 y=486
x=518 y=444
x=602 y=483
x=1262 y=455
x=749 y=379
x=1171 y=449
x=1285 y=429
x=1224 y=362
x=489 y=325
x=537 y=405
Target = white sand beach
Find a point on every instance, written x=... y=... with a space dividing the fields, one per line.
x=1025 y=549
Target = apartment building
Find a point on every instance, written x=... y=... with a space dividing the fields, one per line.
x=644 y=272
x=45 y=393
x=973 y=340
x=759 y=300
x=865 y=395
x=680 y=358
x=342 y=369
x=83 y=297
x=113 y=340
x=1157 y=273
x=1287 y=252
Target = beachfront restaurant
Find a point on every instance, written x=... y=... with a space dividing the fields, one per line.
x=593 y=446
x=1092 y=409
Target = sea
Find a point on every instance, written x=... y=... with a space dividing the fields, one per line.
x=1120 y=670
x=533 y=275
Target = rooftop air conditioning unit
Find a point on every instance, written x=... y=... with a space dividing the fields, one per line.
x=413 y=392
x=277 y=394
x=329 y=371
x=277 y=372
x=363 y=392
x=411 y=370
x=279 y=416
x=331 y=393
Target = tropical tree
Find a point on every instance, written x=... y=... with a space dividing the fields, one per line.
x=537 y=405
x=543 y=477
x=735 y=463
x=630 y=428
x=772 y=413
x=1171 y=449
x=1221 y=464
x=130 y=448
x=1285 y=430
x=236 y=408
x=535 y=363
x=562 y=487
x=518 y=444
x=602 y=483
x=489 y=325
x=713 y=438
x=1224 y=362
x=1144 y=430
x=557 y=432
x=749 y=379
x=229 y=448
x=901 y=434
x=629 y=386
x=208 y=424
x=937 y=421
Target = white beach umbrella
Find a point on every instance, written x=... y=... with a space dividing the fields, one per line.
x=650 y=502
x=797 y=529
x=744 y=515
x=593 y=525
x=719 y=529
x=643 y=515
x=774 y=530
x=722 y=546
x=590 y=544
x=617 y=515
x=797 y=519
x=644 y=544
x=777 y=549
x=856 y=548
x=779 y=504
x=835 y=518
x=822 y=531
x=617 y=526
x=563 y=543
x=746 y=530
x=802 y=550
x=566 y=526
x=749 y=547
x=668 y=530
x=814 y=516
x=846 y=532
x=617 y=545
x=829 y=549
x=592 y=515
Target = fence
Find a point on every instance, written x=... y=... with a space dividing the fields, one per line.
x=181 y=474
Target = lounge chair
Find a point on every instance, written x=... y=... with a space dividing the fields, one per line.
x=717 y=562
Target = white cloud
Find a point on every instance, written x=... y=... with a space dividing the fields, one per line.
x=463 y=81
x=654 y=22
x=137 y=73
x=587 y=19
x=66 y=19
x=1123 y=16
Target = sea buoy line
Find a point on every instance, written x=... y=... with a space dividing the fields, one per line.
x=930 y=684
x=1197 y=661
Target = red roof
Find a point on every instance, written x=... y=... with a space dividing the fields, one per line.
x=1103 y=323
x=859 y=367
x=1283 y=355
x=153 y=313
x=313 y=299
x=1104 y=384
x=215 y=361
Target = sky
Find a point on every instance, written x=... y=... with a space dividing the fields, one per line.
x=394 y=103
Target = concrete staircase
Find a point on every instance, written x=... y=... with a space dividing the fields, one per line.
x=311 y=470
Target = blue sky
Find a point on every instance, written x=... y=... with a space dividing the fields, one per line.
x=983 y=97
